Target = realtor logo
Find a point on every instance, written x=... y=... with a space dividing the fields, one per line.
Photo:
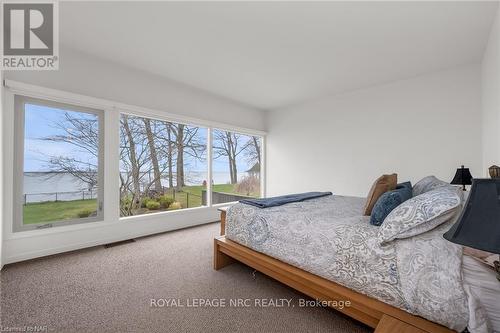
x=30 y=36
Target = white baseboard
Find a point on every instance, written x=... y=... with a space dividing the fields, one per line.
x=35 y=246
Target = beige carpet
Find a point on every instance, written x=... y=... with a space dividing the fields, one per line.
x=110 y=290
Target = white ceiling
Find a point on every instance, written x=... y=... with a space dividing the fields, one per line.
x=273 y=54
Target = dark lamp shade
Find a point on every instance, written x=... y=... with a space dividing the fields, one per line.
x=479 y=224
x=462 y=177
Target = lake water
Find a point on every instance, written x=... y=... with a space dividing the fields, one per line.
x=41 y=186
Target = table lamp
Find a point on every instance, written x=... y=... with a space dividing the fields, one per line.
x=479 y=223
x=462 y=177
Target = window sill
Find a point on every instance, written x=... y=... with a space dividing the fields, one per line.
x=101 y=224
x=225 y=204
x=162 y=213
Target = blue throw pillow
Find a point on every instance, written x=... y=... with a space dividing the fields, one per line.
x=404 y=185
x=387 y=202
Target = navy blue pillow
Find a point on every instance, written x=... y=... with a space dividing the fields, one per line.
x=388 y=201
x=404 y=185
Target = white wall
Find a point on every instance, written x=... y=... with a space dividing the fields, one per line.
x=1 y=169
x=82 y=74
x=429 y=124
x=491 y=97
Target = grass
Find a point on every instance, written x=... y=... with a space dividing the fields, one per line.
x=224 y=188
x=190 y=196
x=50 y=211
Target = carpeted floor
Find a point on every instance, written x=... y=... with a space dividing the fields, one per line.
x=110 y=290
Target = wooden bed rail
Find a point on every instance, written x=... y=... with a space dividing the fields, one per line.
x=374 y=313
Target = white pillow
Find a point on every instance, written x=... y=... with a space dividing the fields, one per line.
x=427 y=184
x=421 y=213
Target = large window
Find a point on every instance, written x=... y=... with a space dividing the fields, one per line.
x=236 y=166
x=58 y=164
x=163 y=165
x=158 y=165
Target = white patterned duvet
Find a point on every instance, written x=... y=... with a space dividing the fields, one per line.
x=329 y=237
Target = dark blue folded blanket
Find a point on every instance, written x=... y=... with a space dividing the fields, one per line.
x=284 y=199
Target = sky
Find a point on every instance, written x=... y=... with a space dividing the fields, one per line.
x=40 y=123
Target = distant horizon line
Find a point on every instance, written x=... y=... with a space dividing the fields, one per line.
x=67 y=172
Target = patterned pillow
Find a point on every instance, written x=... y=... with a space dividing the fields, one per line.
x=387 y=202
x=427 y=184
x=421 y=213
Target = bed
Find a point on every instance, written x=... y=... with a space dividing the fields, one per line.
x=326 y=249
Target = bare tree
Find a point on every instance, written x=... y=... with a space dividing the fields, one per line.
x=186 y=142
x=180 y=157
x=194 y=146
x=228 y=144
x=170 y=152
x=83 y=133
x=154 y=147
x=252 y=150
x=154 y=157
x=165 y=138
x=136 y=190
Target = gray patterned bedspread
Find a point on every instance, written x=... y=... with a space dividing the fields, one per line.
x=329 y=237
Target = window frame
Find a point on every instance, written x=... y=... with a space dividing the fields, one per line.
x=19 y=143
x=152 y=223
x=210 y=128
x=208 y=155
x=262 y=162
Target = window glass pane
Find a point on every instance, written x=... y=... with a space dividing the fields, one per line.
x=235 y=167
x=61 y=149
x=162 y=165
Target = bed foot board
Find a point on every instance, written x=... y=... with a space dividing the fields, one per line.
x=383 y=317
x=221 y=259
x=388 y=324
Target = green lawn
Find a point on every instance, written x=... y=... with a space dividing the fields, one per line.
x=56 y=211
x=50 y=211
x=191 y=195
x=224 y=188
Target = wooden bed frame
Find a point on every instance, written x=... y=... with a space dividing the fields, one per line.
x=372 y=312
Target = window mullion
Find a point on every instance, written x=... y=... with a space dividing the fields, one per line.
x=209 y=165
x=263 y=167
x=60 y=180
x=110 y=145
